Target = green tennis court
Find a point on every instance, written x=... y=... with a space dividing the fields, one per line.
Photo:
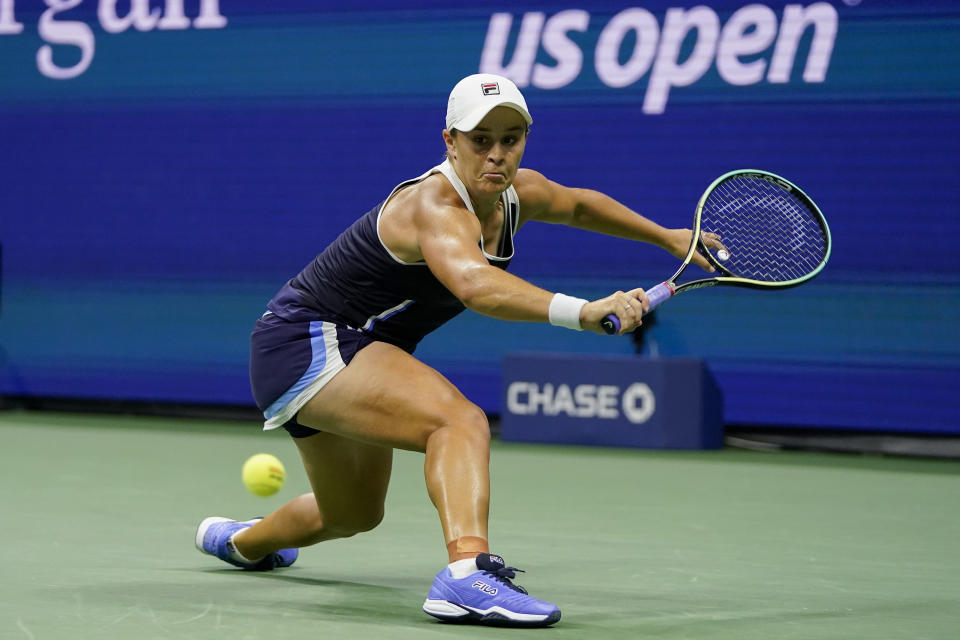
x=99 y=514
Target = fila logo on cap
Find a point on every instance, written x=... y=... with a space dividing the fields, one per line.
x=490 y=88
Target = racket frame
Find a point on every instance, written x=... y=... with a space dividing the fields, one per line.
x=729 y=278
x=669 y=288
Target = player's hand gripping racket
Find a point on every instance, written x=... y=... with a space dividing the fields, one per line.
x=769 y=235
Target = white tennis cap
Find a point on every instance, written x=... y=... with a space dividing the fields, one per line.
x=475 y=96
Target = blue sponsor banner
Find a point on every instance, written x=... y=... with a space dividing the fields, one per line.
x=166 y=165
x=610 y=401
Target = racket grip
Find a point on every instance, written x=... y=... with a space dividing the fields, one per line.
x=656 y=295
x=659 y=294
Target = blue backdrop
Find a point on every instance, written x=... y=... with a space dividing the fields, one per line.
x=166 y=166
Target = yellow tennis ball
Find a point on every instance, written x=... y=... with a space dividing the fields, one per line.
x=263 y=474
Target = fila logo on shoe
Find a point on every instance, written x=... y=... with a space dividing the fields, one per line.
x=483 y=587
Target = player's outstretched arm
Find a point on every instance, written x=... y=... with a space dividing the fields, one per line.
x=548 y=201
x=448 y=240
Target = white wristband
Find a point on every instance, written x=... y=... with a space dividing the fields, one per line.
x=565 y=311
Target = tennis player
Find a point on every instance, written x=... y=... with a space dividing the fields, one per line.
x=331 y=359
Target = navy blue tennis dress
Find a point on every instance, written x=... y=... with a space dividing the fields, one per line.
x=355 y=292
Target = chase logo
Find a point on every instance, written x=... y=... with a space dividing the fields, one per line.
x=637 y=402
x=490 y=88
x=483 y=587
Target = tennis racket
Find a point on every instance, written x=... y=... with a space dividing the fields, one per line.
x=771 y=235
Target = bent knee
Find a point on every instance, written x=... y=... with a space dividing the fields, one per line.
x=475 y=420
x=465 y=419
x=346 y=525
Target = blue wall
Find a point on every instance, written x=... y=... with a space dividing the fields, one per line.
x=155 y=196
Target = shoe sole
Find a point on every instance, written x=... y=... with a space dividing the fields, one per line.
x=495 y=616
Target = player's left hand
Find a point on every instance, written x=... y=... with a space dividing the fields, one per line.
x=679 y=240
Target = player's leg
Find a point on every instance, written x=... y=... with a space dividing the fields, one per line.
x=349 y=481
x=386 y=397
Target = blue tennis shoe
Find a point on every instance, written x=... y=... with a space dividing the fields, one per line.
x=213 y=538
x=487 y=596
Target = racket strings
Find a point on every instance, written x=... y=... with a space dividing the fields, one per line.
x=769 y=234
